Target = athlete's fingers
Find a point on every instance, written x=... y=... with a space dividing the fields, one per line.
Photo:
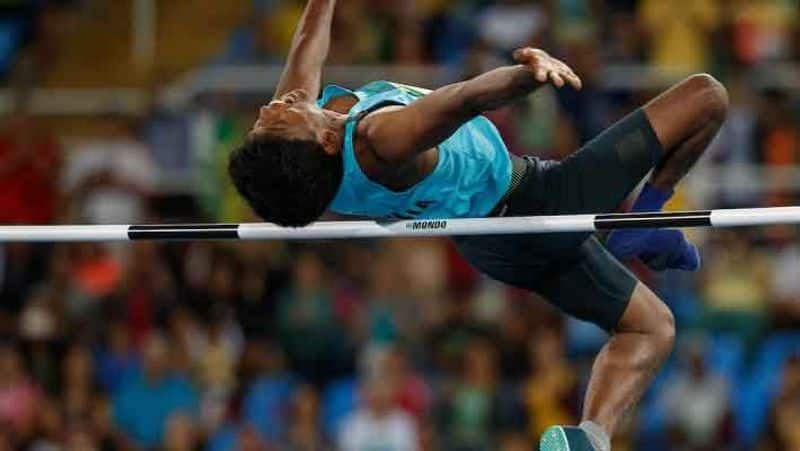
x=564 y=68
x=541 y=74
x=569 y=75
x=574 y=81
x=557 y=80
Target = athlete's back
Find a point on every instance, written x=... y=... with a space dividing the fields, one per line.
x=472 y=173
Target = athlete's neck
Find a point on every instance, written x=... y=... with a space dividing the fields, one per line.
x=337 y=123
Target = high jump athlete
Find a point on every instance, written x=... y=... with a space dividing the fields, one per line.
x=388 y=150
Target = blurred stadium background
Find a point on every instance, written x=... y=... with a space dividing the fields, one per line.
x=122 y=111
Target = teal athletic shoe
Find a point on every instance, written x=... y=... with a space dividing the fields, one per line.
x=565 y=438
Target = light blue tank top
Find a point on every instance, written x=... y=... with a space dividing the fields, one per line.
x=471 y=177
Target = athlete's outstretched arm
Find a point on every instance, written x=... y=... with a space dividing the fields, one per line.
x=309 y=50
x=400 y=134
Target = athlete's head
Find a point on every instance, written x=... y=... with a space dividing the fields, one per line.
x=289 y=167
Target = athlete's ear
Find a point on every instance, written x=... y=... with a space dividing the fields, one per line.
x=331 y=142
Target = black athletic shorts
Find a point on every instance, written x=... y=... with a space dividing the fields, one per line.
x=573 y=270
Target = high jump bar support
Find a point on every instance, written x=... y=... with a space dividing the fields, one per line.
x=402 y=228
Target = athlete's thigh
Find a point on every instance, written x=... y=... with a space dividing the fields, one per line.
x=592 y=285
x=599 y=176
x=512 y=259
x=585 y=281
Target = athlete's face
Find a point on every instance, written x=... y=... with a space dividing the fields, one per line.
x=291 y=116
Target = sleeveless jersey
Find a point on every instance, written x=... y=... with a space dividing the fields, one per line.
x=471 y=177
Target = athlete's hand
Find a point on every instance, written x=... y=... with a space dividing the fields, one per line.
x=547 y=69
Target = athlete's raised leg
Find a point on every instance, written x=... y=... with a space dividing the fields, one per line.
x=579 y=275
x=685 y=119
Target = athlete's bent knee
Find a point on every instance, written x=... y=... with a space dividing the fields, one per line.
x=710 y=95
x=649 y=317
x=663 y=330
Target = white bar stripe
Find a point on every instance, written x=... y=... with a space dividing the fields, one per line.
x=370 y=229
x=64 y=233
x=755 y=216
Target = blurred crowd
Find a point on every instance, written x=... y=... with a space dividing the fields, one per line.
x=397 y=344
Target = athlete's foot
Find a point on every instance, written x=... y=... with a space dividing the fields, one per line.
x=628 y=244
x=565 y=438
x=669 y=249
x=658 y=249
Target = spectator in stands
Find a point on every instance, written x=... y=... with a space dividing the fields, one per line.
x=621 y=42
x=762 y=31
x=116 y=361
x=389 y=309
x=181 y=434
x=101 y=422
x=469 y=414
x=249 y=440
x=515 y=442
x=21 y=267
x=550 y=392
x=736 y=294
x=217 y=364
x=697 y=405
x=509 y=24
x=304 y=432
x=308 y=328
x=40 y=330
x=514 y=330
x=94 y=275
x=144 y=405
x=145 y=289
x=188 y=336
x=680 y=34
x=782 y=432
x=353 y=18
x=785 y=278
x=107 y=180
x=268 y=396
x=778 y=144
x=51 y=425
x=79 y=437
x=77 y=388
x=412 y=392
x=30 y=168
x=379 y=423
x=20 y=397
x=736 y=148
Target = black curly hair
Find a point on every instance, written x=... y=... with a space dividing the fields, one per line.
x=286 y=181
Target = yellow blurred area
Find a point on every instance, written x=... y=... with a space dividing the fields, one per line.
x=95 y=46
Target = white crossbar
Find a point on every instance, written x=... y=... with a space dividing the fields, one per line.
x=411 y=228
